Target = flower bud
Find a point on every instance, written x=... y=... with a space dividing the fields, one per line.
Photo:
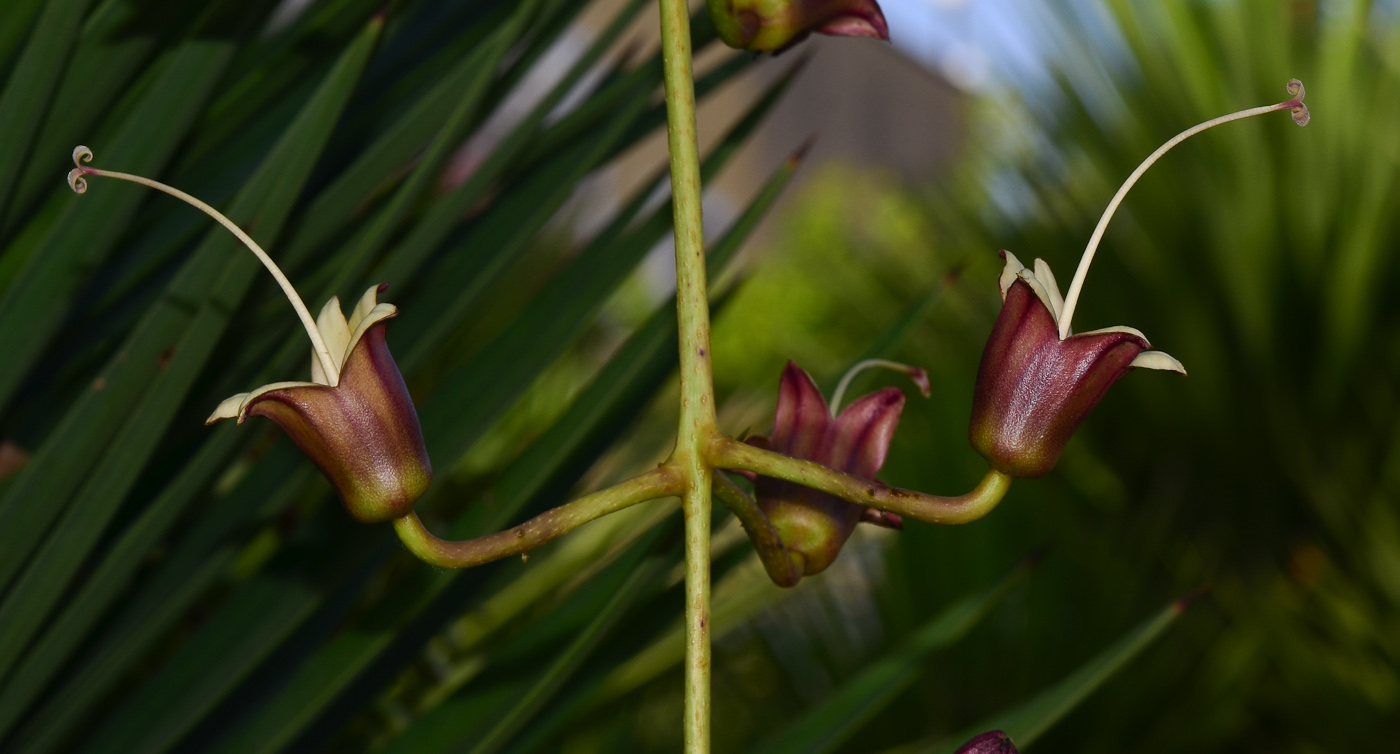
x=1033 y=389
x=815 y=525
x=775 y=25
x=994 y=742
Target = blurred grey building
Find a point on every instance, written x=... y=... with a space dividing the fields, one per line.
x=865 y=102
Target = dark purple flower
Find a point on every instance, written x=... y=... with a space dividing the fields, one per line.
x=1034 y=388
x=774 y=25
x=814 y=525
x=362 y=431
x=994 y=742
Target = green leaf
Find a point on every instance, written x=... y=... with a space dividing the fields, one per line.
x=828 y=725
x=567 y=662
x=264 y=205
x=201 y=558
x=61 y=638
x=19 y=14
x=34 y=306
x=576 y=623
x=242 y=633
x=485 y=386
x=32 y=310
x=471 y=266
x=104 y=62
x=1031 y=719
x=451 y=106
x=443 y=215
x=26 y=97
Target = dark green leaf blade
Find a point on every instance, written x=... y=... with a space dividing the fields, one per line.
x=1031 y=719
x=264 y=204
x=26 y=97
x=32 y=309
x=827 y=726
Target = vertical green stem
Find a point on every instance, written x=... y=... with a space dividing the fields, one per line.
x=697 y=389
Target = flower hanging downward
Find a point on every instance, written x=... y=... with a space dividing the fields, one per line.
x=775 y=25
x=1038 y=380
x=814 y=525
x=361 y=431
x=1034 y=389
x=355 y=419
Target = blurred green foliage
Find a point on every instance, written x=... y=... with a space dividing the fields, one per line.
x=1257 y=254
x=169 y=588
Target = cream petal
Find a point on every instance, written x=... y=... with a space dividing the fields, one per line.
x=1158 y=360
x=1118 y=328
x=1009 y=272
x=336 y=334
x=374 y=316
x=363 y=307
x=1040 y=293
x=232 y=407
x=229 y=407
x=1047 y=279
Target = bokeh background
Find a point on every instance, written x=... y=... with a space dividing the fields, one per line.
x=170 y=588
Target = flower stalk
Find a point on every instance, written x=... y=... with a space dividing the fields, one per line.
x=728 y=453
x=662 y=481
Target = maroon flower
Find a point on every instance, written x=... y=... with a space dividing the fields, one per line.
x=774 y=25
x=354 y=419
x=1034 y=388
x=360 y=429
x=1038 y=380
x=994 y=742
x=814 y=525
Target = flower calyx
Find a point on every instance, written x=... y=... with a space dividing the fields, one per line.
x=775 y=25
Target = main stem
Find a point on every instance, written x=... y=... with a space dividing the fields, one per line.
x=697 y=423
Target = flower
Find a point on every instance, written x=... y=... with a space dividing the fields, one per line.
x=994 y=742
x=1033 y=388
x=355 y=419
x=361 y=430
x=775 y=25
x=1037 y=380
x=815 y=525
